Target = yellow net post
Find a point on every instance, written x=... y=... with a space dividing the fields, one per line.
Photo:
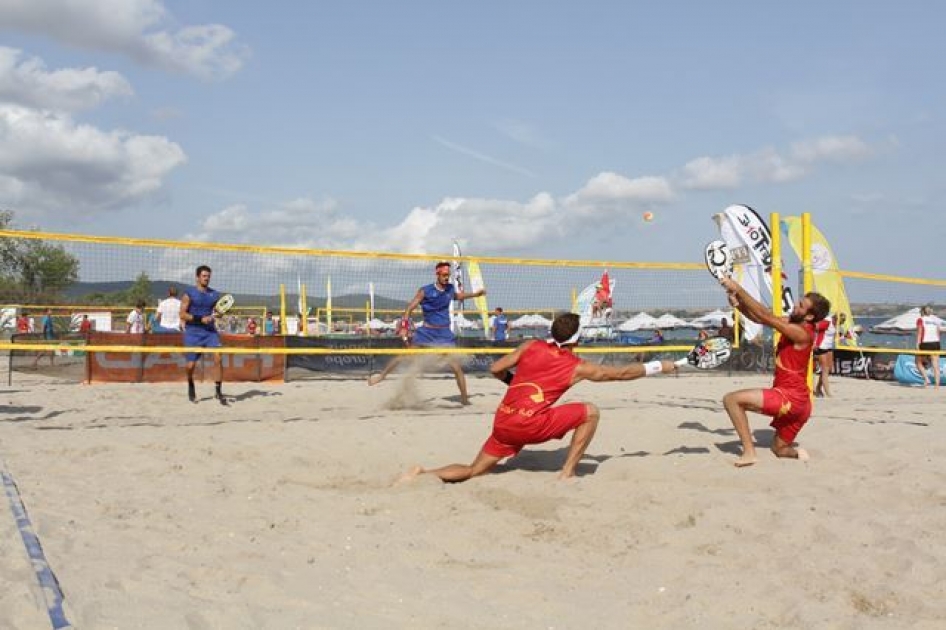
x=328 y=305
x=808 y=279
x=282 y=309
x=774 y=220
x=303 y=311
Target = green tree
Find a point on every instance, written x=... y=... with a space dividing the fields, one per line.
x=139 y=291
x=32 y=270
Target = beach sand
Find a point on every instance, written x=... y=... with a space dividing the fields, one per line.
x=278 y=511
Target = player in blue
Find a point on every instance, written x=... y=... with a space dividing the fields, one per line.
x=434 y=300
x=200 y=330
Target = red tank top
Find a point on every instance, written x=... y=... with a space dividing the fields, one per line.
x=791 y=366
x=543 y=374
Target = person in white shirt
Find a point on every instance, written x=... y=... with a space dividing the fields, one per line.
x=169 y=313
x=135 y=323
x=927 y=338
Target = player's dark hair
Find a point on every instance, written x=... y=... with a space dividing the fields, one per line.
x=441 y=264
x=202 y=269
x=564 y=326
x=820 y=306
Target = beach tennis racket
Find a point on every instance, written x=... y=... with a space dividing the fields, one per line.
x=707 y=354
x=718 y=259
x=223 y=305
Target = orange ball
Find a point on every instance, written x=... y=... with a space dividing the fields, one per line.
x=648 y=216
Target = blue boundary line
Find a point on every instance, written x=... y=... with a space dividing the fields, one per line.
x=52 y=594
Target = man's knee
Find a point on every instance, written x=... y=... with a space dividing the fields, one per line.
x=592 y=413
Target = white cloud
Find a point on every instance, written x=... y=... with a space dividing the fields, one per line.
x=769 y=166
x=831 y=148
x=300 y=222
x=50 y=163
x=498 y=226
x=140 y=29
x=29 y=83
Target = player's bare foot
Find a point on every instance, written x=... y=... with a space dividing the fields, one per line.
x=745 y=460
x=412 y=473
x=374 y=379
x=803 y=455
x=567 y=476
x=465 y=400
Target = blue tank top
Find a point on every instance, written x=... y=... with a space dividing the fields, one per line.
x=436 y=305
x=499 y=324
x=201 y=305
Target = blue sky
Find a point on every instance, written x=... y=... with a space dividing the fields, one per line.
x=526 y=128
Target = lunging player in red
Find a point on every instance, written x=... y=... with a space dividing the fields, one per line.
x=545 y=370
x=788 y=401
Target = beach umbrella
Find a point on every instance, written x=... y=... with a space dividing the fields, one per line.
x=530 y=321
x=905 y=322
x=641 y=321
x=712 y=319
x=668 y=321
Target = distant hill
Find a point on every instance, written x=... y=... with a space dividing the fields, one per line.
x=159 y=291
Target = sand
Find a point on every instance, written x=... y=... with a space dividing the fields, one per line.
x=278 y=511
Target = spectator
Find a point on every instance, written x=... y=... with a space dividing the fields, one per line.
x=135 y=322
x=498 y=325
x=168 y=313
x=251 y=326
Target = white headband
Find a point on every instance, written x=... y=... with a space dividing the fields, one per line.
x=573 y=339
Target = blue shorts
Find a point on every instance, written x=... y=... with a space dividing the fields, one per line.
x=202 y=337
x=430 y=337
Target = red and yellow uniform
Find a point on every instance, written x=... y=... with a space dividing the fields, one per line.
x=789 y=400
x=525 y=415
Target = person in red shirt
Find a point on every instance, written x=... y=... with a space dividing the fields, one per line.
x=85 y=326
x=251 y=326
x=545 y=370
x=23 y=323
x=788 y=401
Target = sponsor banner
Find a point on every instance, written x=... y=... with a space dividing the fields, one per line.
x=879 y=365
x=367 y=363
x=138 y=367
x=750 y=244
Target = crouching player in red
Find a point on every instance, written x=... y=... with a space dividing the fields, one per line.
x=544 y=371
x=788 y=401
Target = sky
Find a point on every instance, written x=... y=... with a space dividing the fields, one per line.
x=528 y=129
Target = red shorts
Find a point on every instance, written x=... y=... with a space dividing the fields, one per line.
x=512 y=429
x=789 y=415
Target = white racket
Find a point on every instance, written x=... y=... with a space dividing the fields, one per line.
x=224 y=304
x=718 y=259
x=708 y=354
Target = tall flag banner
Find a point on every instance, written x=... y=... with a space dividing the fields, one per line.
x=476 y=283
x=750 y=244
x=824 y=268
x=456 y=278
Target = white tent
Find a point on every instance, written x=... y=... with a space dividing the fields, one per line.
x=904 y=323
x=377 y=324
x=668 y=321
x=641 y=321
x=712 y=320
x=463 y=322
x=530 y=321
